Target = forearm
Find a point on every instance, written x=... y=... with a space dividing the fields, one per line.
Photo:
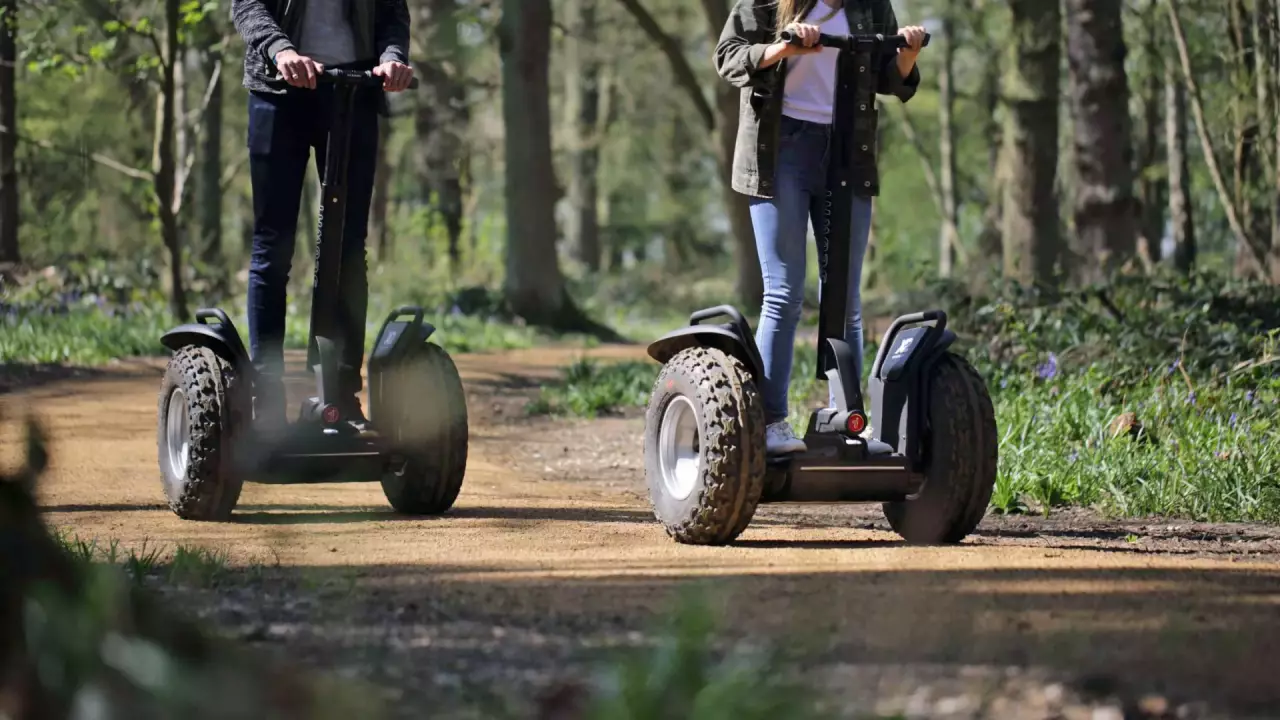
x=773 y=54
x=906 y=63
x=391 y=31
x=258 y=27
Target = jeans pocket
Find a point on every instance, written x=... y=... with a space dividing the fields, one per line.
x=262 y=122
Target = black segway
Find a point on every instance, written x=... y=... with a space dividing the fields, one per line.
x=931 y=457
x=207 y=443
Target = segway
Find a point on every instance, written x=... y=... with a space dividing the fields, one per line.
x=930 y=458
x=207 y=444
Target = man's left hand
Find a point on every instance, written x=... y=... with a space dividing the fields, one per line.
x=395 y=76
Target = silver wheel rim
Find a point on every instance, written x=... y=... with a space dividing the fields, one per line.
x=679 y=448
x=177 y=440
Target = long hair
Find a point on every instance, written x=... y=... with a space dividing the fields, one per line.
x=790 y=11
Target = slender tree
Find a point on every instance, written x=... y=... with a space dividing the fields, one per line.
x=949 y=240
x=583 y=226
x=1180 y=218
x=9 y=251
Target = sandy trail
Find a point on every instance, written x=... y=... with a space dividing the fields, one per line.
x=552 y=553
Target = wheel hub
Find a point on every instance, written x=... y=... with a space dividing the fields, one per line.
x=177 y=438
x=679 y=448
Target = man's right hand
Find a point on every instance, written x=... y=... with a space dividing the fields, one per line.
x=298 y=70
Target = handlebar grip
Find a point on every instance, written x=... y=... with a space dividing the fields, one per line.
x=841 y=42
x=363 y=78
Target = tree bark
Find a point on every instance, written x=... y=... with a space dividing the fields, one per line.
x=583 y=227
x=1184 y=230
x=1274 y=62
x=1245 y=171
x=1152 y=176
x=1031 y=235
x=534 y=286
x=166 y=178
x=989 y=241
x=440 y=121
x=210 y=203
x=949 y=236
x=1103 y=209
x=9 y=250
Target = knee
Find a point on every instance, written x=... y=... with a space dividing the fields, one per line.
x=269 y=261
x=784 y=302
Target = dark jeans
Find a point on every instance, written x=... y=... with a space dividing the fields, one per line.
x=283 y=131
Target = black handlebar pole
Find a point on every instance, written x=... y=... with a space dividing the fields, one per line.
x=362 y=78
x=845 y=42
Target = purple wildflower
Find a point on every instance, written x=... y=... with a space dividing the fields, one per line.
x=1048 y=370
x=1249 y=396
x=1232 y=421
x=1174 y=367
x=1074 y=456
x=1191 y=398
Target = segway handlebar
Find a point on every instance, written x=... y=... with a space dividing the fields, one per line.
x=849 y=42
x=362 y=78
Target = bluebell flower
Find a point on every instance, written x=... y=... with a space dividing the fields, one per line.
x=1191 y=398
x=1232 y=421
x=1004 y=383
x=1074 y=456
x=1048 y=370
x=1174 y=367
x=1249 y=396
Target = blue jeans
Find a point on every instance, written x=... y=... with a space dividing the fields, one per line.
x=283 y=132
x=781 y=227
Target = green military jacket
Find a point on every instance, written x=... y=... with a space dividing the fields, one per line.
x=750 y=29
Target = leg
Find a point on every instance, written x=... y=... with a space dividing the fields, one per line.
x=781 y=229
x=278 y=154
x=860 y=234
x=354 y=281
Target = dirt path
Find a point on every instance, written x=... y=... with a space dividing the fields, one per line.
x=552 y=555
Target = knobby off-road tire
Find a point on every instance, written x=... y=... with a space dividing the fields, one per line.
x=424 y=416
x=217 y=407
x=729 y=447
x=961 y=449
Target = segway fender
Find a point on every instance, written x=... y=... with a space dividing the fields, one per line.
x=222 y=338
x=899 y=381
x=733 y=338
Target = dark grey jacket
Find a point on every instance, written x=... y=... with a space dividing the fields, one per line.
x=268 y=26
x=752 y=28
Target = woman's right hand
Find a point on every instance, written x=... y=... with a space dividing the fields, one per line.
x=808 y=35
x=299 y=71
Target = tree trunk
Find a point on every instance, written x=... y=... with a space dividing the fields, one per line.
x=1032 y=244
x=1245 y=173
x=9 y=251
x=1152 y=175
x=534 y=286
x=1103 y=209
x=583 y=70
x=1274 y=62
x=949 y=239
x=989 y=242
x=166 y=177
x=1184 y=230
x=441 y=119
x=210 y=203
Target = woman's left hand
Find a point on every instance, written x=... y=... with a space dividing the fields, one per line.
x=914 y=35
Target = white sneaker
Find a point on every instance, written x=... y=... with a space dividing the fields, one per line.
x=780 y=439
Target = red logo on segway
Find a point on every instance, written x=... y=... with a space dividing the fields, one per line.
x=856 y=423
x=331 y=415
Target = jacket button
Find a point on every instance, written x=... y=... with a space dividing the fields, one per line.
x=863 y=106
x=867 y=183
x=865 y=148
x=862 y=68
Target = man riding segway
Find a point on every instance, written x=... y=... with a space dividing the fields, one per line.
x=288 y=45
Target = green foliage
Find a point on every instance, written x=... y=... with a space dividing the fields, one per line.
x=685 y=677
x=589 y=388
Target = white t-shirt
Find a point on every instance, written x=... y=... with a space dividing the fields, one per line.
x=810 y=92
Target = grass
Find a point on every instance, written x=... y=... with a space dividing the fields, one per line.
x=192 y=565
x=588 y=388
